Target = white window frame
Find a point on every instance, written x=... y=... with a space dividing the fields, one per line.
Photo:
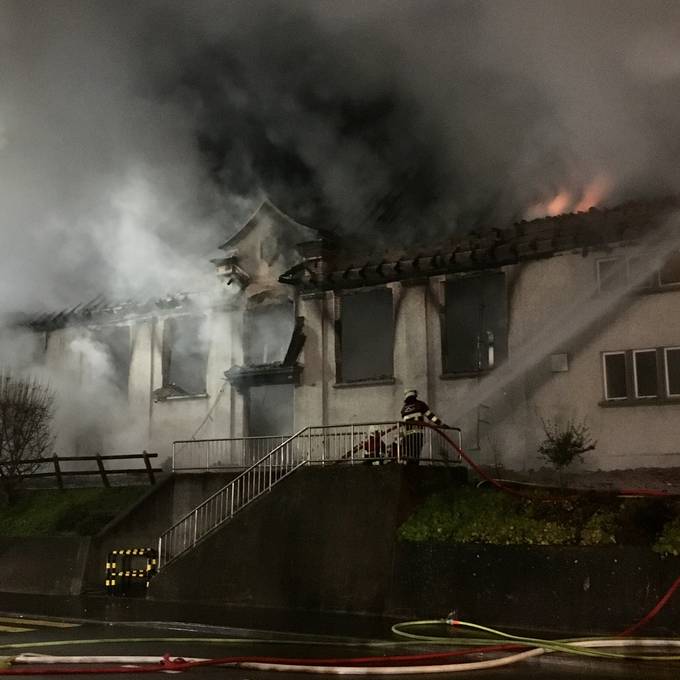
x=650 y=281
x=635 y=377
x=665 y=368
x=604 y=374
x=599 y=275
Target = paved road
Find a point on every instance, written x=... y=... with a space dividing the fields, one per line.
x=34 y=634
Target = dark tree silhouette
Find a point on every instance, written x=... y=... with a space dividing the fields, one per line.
x=26 y=412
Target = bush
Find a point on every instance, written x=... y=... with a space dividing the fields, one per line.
x=564 y=444
x=483 y=516
x=600 y=529
x=668 y=542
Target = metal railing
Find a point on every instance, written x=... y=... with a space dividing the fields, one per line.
x=230 y=499
x=79 y=466
x=218 y=454
x=364 y=443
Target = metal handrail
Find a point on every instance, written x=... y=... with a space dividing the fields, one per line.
x=222 y=452
x=371 y=443
x=227 y=501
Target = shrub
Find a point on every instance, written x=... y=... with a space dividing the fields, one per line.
x=565 y=443
x=668 y=542
x=482 y=516
x=26 y=411
x=599 y=529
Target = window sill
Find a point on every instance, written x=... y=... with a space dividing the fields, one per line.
x=464 y=374
x=650 y=290
x=183 y=397
x=365 y=383
x=652 y=401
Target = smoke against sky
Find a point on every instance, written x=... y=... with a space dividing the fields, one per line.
x=135 y=136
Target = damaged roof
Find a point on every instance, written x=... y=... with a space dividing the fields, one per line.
x=101 y=310
x=338 y=266
x=267 y=208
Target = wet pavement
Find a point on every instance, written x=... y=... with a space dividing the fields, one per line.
x=34 y=634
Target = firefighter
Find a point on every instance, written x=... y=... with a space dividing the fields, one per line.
x=374 y=446
x=413 y=412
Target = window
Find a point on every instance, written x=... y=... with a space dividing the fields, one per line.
x=611 y=274
x=117 y=342
x=614 y=273
x=639 y=267
x=475 y=323
x=267 y=333
x=185 y=354
x=673 y=371
x=365 y=336
x=642 y=375
x=270 y=410
x=670 y=272
x=615 y=375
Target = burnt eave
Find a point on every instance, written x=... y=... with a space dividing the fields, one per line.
x=496 y=248
x=242 y=377
x=102 y=311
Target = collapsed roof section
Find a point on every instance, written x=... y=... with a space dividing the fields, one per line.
x=327 y=265
x=100 y=310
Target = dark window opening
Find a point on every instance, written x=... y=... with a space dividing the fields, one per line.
x=615 y=376
x=185 y=355
x=117 y=342
x=475 y=323
x=670 y=272
x=366 y=336
x=270 y=410
x=267 y=333
x=645 y=373
x=673 y=371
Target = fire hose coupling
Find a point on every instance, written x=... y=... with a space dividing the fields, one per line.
x=451 y=619
x=173 y=661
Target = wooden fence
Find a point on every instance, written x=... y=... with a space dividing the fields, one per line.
x=100 y=470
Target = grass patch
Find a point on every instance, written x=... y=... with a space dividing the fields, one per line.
x=79 y=512
x=472 y=515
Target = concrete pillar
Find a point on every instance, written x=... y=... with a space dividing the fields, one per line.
x=311 y=395
x=219 y=360
x=411 y=338
x=140 y=382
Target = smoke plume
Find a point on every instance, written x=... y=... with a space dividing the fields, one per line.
x=135 y=136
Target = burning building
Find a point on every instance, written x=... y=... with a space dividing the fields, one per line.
x=559 y=319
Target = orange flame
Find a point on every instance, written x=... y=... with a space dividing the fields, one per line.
x=565 y=201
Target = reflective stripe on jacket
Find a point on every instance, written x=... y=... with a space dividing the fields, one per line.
x=416 y=411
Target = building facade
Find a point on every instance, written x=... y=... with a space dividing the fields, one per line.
x=567 y=319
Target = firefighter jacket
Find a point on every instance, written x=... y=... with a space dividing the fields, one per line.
x=415 y=411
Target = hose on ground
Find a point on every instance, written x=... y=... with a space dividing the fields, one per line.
x=575 y=646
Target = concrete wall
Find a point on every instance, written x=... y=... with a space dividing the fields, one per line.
x=142 y=524
x=325 y=541
x=563 y=589
x=23 y=567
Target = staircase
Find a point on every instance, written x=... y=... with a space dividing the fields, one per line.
x=353 y=443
